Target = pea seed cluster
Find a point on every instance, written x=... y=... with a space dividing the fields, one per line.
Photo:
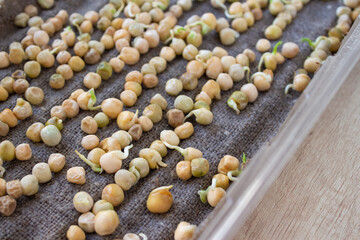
x=285 y=12
x=29 y=185
x=324 y=46
x=146 y=24
x=228 y=166
x=242 y=16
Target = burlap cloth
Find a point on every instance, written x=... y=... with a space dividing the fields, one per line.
x=49 y=213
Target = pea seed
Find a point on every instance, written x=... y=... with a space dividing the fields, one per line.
x=189 y=81
x=87 y=222
x=183 y=170
x=158 y=63
x=222 y=181
x=70 y=107
x=199 y=167
x=154 y=112
x=139 y=167
x=34 y=95
x=63 y=57
x=219 y=52
x=228 y=36
x=145 y=123
x=56 y=81
x=46 y=4
x=50 y=135
x=76 y=63
x=56 y=162
x=184 y=231
x=7 y=205
x=4 y=129
x=170 y=137
x=129 y=55
x=273 y=32
x=7 y=83
x=290 y=50
x=214 y=67
x=22 y=109
x=167 y=53
x=215 y=195
x=228 y=163
x=20 y=86
x=113 y=194
x=101 y=205
x=3 y=94
x=42 y=172
x=112 y=107
x=134 y=87
x=250 y=90
x=7 y=152
x=202 y=116
x=125 y=179
x=160 y=200
x=76 y=175
x=123 y=138
x=238 y=101
x=83 y=202
x=21 y=20
x=263 y=45
x=159 y=147
x=128 y=97
x=65 y=71
x=75 y=233
x=135 y=131
x=184 y=103
x=90 y=142
x=23 y=152
x=126 y=120
x=14 y=189
x=104 y=70
x=29 y=185
x=185 y=130
x=173 y=86
x=8 y=117
x=106 y=222
x=153 y=158
x=225 y=81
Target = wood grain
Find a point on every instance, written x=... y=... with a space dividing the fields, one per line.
x=317 y=196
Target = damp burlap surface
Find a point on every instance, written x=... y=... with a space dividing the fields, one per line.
x=49 y=213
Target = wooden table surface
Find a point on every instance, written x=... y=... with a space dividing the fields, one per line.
x=317 y=196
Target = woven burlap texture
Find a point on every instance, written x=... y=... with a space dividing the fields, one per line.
x=49 y=213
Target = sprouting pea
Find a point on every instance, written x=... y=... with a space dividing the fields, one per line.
x=154 y=112
x=202 y=116
x=139 y=167
x=299 y=84
x=269 y=59
x=189 y=153
x=238 y=101
x=153 y=157
x=160 y=200
x=56 y=122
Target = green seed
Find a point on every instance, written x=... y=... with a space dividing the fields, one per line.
x=101 y=119
x=7 y=151
x=104 y=70
x=56 y=122
x=199 y=167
